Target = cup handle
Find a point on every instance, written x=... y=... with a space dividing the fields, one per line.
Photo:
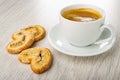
x=110 y=28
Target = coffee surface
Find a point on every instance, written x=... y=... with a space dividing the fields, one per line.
x=82 y=14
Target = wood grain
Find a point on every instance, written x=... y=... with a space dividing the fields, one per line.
x=15 y=14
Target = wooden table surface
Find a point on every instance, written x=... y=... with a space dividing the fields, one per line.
x=15 y=14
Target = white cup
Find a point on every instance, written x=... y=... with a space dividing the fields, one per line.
x=83 y=33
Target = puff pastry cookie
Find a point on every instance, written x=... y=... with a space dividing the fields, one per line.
x=40 y=59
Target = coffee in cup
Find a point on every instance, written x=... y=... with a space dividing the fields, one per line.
x=82 y=14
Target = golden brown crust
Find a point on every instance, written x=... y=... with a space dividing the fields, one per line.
x=37 y=30
x=38 y=64
x=21 y=42
x=18 y=35
x=39 y=58
x=26 y=55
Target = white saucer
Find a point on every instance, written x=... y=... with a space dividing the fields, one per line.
x=61 y=44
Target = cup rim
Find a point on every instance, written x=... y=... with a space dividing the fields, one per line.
x=88 y=6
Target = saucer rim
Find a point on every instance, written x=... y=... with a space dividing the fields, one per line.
x=81 y=54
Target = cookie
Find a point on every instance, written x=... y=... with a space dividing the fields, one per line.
x=39 y=58
x=37 y=30
x=22 y=41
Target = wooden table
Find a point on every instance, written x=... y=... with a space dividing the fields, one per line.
x=15 y=14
